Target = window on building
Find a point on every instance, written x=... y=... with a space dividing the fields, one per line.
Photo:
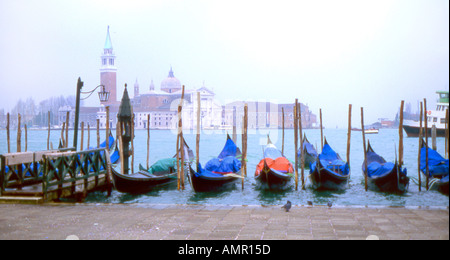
x=111 y=62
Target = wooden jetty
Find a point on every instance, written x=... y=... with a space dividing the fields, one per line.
x=38 y=177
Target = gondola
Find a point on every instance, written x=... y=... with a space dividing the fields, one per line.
x=161 y=173
x=219 y=173
x=438 y=168
x=142 y=181
x=274 y=172
x=384 y=176
x=309 y=152
x=329 y=171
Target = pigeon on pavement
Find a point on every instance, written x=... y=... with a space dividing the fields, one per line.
x=288 y=206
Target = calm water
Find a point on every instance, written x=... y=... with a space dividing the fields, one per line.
x=163 y=145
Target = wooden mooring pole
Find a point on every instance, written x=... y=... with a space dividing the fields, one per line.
x=132 y=140
x=61 y=140
x=321 y=130
x=446 y=135
x=420 y=147
x=197 y=139
x=48 y=134
x=19 y=134
x=282 y=123
x=433 y=137
x=148 y=141
x=180 y=141
x=82 y=136
x=66 y=139
x=400 y=135
x=8 y=138
x=296 y=142
x=98 y=133
x=302 y=153
x=426 y=141
x=349 y=132
x=107 y=131
x=26 y=138
x=364 y=146
x=244 y=146
x=89 y=136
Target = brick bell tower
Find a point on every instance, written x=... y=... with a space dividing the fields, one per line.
x=108 y=71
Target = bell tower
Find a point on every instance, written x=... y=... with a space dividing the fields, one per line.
x=108 y=71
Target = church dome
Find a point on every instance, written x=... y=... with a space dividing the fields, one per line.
x=170 y=84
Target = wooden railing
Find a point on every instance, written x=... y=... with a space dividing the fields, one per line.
x=67 y=171
x=21 y=169
x=59 y=174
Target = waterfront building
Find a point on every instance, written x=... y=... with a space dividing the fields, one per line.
x=108 y=72
x=162 y=105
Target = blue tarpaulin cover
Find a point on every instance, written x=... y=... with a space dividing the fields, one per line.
x=309 y=149
x=378 y=166
x=376 y=169
x=226 y=162
x=230 y=149
x=228 y=165
x=437 y=165
x=331 y=161
x=272 y=152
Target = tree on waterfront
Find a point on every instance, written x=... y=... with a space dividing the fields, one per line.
x=37 y=115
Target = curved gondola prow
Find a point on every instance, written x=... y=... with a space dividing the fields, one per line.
x=305 y=138
x=369 y=147
x=325 y=141
x=268 y=140
x=238 y=151
x=265 y=170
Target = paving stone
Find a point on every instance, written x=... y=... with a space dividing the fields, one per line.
x=181 y=222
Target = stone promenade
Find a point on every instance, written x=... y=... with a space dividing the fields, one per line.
x=206 y=222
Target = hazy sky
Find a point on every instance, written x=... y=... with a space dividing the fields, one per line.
x=327 y=53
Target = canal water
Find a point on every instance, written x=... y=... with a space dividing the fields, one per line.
x=163 y=142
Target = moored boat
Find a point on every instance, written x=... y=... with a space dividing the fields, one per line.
x=274 y=172
x=384 y=176
x=438 y=168
x=162 y=173
x=329 y=171
x=309 y=151
x=220 y=173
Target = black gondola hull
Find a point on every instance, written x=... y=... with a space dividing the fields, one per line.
x=138 y=183
x=443 y=187
x=394 y=182
x=309 y=158
x=270 y=179
x=324 y=179
x=206 y=184
x=436 y=183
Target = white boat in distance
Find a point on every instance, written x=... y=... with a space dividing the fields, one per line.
x=435 y=117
